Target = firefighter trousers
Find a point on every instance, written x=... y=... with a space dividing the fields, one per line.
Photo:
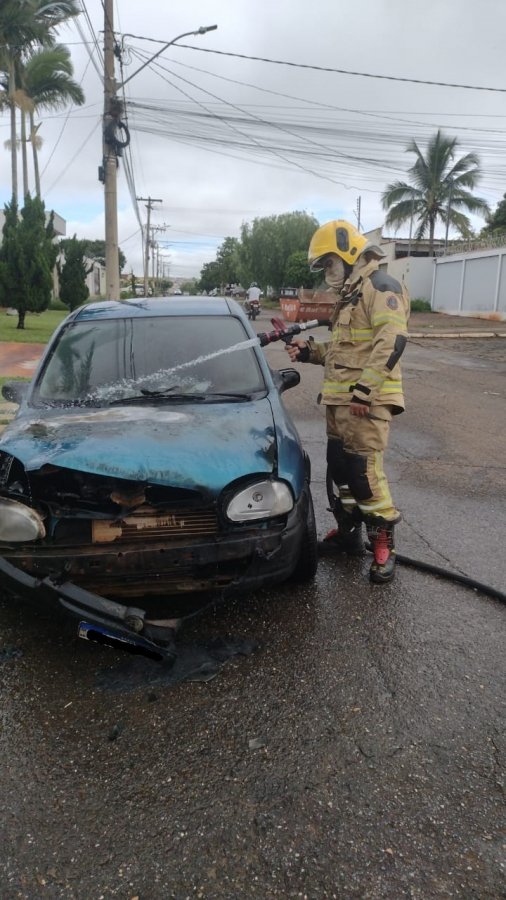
x=355 y=449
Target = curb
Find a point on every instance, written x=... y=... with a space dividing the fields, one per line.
x=457 y=334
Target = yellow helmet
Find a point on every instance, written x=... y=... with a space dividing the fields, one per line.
x=336 y=237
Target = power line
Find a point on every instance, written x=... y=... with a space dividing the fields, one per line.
x=96 y=60
x=272 y=150
x=281 y=62
x=130 y=237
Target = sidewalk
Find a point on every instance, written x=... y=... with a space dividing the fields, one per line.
x=438 y=325
x=19 y=359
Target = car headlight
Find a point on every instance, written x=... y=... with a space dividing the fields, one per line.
x=19 y=522
x=262 y=500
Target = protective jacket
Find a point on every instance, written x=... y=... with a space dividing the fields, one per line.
x=369 y=333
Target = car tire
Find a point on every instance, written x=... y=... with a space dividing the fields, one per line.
x=307 y=563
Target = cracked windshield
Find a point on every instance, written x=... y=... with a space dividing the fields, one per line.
x=106 y=362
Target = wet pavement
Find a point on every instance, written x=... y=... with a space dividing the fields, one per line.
x=355 y=750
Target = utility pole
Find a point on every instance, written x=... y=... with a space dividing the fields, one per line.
x=110 y=161
x=149 y=206
x=359 y=204
x=112 y=146
x=156 y=249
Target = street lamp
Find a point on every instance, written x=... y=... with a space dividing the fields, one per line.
x=202 y=30
x=112 y=112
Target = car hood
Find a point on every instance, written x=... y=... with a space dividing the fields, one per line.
x=188 y=445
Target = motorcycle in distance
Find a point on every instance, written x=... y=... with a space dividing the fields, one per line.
x=252 y=309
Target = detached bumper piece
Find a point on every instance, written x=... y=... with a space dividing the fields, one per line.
x=102 y=621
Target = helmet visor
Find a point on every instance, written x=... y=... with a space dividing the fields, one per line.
x=321 y=262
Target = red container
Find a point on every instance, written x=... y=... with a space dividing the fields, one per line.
x=307 y=305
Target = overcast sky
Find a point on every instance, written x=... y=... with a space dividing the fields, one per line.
x=222 y=140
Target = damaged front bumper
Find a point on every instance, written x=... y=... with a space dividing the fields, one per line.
x=123 y=624
x=257 y=559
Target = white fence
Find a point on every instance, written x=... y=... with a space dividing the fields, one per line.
x=471 y=284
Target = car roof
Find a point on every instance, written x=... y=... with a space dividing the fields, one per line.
x=157 y=306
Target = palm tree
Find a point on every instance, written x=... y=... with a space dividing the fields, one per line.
x=47 y=83
x=19 y=29
x=439 y=190
x=25 y=24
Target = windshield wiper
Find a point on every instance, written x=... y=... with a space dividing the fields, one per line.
x=201 y=395
x=158 y=396
x=169 y=396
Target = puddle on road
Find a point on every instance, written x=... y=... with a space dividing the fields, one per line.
x=200 y=661
x=7 y=653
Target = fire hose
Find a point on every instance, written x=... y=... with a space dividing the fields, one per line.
x=285 y=333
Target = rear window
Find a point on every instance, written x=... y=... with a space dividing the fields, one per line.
x=107 y=360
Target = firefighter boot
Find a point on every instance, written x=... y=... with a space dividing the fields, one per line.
x=347 y=538
x=381 y=536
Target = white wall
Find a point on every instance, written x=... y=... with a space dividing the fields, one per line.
x=417 y=272
x=471 y=284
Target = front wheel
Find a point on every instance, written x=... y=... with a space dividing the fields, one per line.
x=307 y=563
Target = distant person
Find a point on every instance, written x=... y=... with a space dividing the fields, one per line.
x=253 y=292
x=362 y=387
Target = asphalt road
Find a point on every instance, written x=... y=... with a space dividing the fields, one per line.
x=359 y=752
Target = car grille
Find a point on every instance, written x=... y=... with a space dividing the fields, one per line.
x=149 y=524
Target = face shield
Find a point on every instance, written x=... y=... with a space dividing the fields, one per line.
x=318 y=264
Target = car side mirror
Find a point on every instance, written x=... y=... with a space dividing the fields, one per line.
x=15 y=391
x=286 y=378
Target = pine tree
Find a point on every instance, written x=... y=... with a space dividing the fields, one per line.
x=72 y=274
x=28 y=256
x=11 y=284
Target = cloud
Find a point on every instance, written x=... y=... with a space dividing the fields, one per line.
x=222 y=140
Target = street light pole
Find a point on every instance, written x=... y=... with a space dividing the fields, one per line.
x=202 y=30
x=111 y=147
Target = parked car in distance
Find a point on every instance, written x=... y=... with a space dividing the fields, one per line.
x=152 y=458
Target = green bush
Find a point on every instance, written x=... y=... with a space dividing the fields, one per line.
x=57 y=304
x=420 y=304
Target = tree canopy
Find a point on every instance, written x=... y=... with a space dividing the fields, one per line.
x=268 y=243
x=262 y=254
x=297 y=272
x=96 y=250
x=496 y=221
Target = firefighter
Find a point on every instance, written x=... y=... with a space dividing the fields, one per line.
x=362 y=388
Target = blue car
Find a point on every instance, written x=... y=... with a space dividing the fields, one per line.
x=152 y=458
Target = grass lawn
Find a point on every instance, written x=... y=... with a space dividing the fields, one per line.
x=38 y=328
x=4 y=378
